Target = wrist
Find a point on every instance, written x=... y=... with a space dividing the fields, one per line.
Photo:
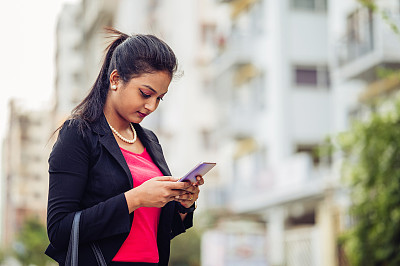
x=132 y=199
x=183 y=210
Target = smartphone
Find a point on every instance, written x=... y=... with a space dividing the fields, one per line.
x=200 y=169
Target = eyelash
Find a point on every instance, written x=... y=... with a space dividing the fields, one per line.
x=146 y=96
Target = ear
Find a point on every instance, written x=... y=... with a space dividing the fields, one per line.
x=114 y=78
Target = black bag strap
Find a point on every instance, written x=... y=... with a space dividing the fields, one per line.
x=73 y=247
x=98 y=254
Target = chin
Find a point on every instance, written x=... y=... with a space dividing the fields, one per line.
x=137 y=120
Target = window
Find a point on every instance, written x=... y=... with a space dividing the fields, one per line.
x=310 y=149
x=359 y=33
x=311 y=76
x=321 y=154
x=309 y=5
x=306 y=77
x=207 y=33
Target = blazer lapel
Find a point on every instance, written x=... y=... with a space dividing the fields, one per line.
x=106 y=138
x=153 y=148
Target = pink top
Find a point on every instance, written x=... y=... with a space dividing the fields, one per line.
x=141 y=243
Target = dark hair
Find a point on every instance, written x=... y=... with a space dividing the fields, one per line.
x=131 y=56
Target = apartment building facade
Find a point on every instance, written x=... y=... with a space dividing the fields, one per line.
x=25 y=181
x=318 y=62
x=264 y=83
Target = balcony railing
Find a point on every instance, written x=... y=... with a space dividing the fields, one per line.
x=300 y=247
x=373 y=36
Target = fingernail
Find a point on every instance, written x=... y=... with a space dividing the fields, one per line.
x=176 y=197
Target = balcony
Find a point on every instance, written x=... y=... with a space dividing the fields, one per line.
x=240 y=49
x=294 y=179
x=369 y=44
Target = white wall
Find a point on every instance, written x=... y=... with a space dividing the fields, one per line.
x=310 y=114
x=308 y=37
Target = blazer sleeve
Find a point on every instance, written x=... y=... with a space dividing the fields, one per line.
x=179 y=226
x=68 y=174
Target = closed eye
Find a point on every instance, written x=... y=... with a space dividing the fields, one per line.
x=145 y=95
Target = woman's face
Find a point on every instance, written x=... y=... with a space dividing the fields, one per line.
x=134 y=100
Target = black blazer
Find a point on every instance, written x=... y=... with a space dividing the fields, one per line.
x=88 y=172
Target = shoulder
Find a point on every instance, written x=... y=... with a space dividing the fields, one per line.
x=74 y=130
x=73 y=144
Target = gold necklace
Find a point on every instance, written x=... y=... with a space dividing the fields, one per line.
x=130 y=141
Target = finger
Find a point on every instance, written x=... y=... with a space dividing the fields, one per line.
x=178 y=193
x=199 y=180
x=179 y=185
x=187 y=196
x=193 y=189
x=165 y=178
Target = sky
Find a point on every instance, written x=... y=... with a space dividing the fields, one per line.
x=27 y=48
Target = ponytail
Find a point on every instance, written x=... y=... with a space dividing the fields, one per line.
x=91 y=107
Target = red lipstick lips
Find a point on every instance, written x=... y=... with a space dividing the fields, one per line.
x=142 y=114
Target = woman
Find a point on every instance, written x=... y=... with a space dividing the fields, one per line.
x=113 y=170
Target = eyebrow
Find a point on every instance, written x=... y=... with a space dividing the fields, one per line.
x=150 y=88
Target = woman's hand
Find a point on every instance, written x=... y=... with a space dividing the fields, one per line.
x=191 y=193
x=156 y=192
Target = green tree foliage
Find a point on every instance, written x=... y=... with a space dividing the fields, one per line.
x=372 y=168
x=185 y=249
x=31 y=243
x=2 y=256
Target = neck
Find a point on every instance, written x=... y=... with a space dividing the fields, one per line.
x=115 y=120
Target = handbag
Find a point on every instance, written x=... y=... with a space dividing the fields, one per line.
x=73 y=246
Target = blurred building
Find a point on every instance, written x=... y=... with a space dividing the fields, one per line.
x=368 y=56
x=264 y=83
x=272 y=82
x=26 y=152
x=285 y=79
x=69 y=62
x=80 y=47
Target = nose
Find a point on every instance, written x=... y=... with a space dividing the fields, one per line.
x=151 y=105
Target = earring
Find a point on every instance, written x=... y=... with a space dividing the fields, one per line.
x=114 y=87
